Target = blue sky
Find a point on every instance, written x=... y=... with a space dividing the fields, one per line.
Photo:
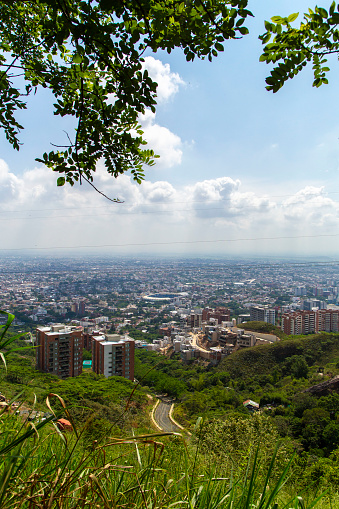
x=237 y=162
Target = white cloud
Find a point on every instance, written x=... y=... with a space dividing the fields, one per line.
x=8 y=184
x=311 y=206
x=164 y=143
x=214 y=189
x=309 y=192
x=158 y=192
x=168 y=82
x=221 y=197
x=20 y=191
x=35 y=212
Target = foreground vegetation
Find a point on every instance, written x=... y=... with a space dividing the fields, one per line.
x=275 y=376
x=113 y=458
x=40 y=468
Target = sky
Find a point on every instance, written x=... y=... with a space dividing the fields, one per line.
x=242 y=171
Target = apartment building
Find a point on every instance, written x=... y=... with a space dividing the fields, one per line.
x=328 y=320
x=220 y=314
x=308 y=304
x=113 y=355
x=307 y=322
x=194 y=320
x=165 y=331
x=246 y=340
x=59 y=350
x=299 y=322
x=300 y=291
x=88 y=337
x=262 y=314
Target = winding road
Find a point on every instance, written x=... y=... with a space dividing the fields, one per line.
x=161 y=417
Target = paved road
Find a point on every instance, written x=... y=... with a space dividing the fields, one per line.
x=195 y=343
x=161 y=417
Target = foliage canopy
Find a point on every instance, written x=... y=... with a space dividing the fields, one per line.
x=293 y=48
x=89 y=54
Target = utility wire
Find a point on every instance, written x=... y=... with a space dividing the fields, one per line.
x=179 y=242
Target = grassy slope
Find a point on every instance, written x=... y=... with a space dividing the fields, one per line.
x=318 y=349
x=265 y=328
x=86 y=395
x=108 y=396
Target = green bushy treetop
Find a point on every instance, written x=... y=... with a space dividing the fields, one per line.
x=89 y=54
x=290 y=48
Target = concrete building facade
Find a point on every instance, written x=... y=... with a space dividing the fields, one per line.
x=262 y=314
x=307 y=322
x=194 y=320
x=220 y=314
x=59 y=350
x=113 y=355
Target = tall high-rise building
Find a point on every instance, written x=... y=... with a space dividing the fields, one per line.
x=262 y=314
x=194 y=319
x=113 y=355
x=309 y=304
x=300 y=291
x=81 y=308
x=88 y=336
x=59 y=350
x=74 y=307
x=306 y=322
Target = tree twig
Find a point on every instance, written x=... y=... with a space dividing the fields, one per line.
x=114 y=200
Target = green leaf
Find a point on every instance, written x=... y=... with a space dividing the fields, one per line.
x=322 y=12
x=292 y=17
x=243 y=30
x=277 y=19
x=60 y=181
x=332 y=8
x=77 y=59
x=265 y=38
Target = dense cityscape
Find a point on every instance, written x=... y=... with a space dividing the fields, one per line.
x=196 y=307
x=45 y=289
x=176 y=336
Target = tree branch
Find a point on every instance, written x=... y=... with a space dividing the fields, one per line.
x=114 y=200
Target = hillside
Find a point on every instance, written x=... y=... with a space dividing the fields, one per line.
x=100 y=464
x=263 y=327
x=86 y=396
x=317 y=350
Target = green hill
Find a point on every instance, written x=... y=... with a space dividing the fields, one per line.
x=317 y=350
x=265 y=328
x=106 y=461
